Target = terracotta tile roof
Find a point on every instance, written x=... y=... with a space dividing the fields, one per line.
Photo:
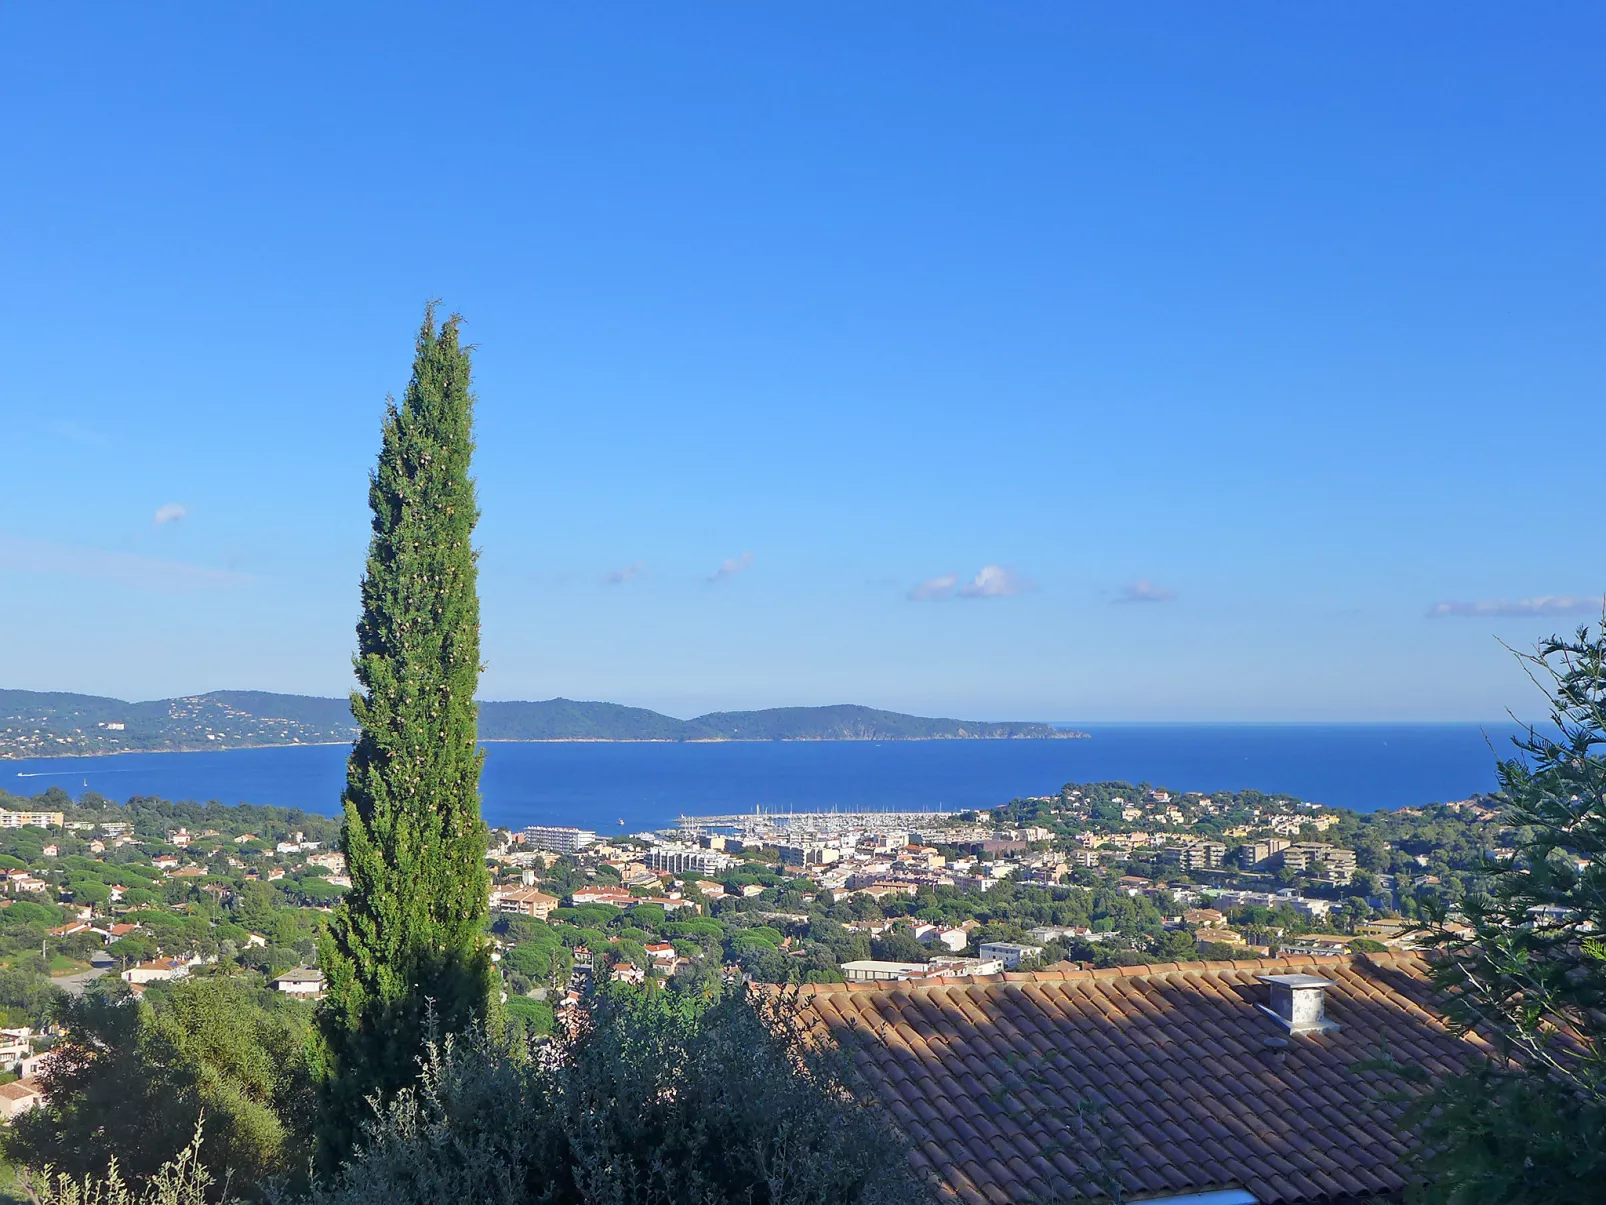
x=1182 y=1083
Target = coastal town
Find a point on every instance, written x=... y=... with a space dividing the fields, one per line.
x=1105 y=874
x=135 y=899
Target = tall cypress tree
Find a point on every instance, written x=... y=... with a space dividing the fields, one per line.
x=408 y=941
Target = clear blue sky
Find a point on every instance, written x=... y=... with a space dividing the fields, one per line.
x=1041 y=361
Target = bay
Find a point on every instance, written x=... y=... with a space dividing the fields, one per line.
x=609 y=786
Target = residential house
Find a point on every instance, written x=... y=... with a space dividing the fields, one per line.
x=1217 y=1081
x=19 y=1096
x=616 y=896
x=15 y=1045
x=157 y=968
x=952 y=940
x=662 y=953
x=304 y=983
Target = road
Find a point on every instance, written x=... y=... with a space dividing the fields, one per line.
x=74 y=985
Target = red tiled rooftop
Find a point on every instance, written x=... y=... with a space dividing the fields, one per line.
x=1045 y=1084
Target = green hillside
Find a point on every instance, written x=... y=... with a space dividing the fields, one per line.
x=46 y=724
x=568 y=720
x=849 y=722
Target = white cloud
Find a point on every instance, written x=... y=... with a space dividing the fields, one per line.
x=123 y=568
x=935 y=587
x=1544 y=604
x=731 y=566
x=994 y=581
x=172 y=512
x=617 y=577
x=1145 y=591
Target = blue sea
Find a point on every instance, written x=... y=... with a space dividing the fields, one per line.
x=634 y=787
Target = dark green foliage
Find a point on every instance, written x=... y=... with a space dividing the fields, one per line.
x=135 y=1078
x=534 y=1017
x=657 y=1101
x=409 y=937
x=1530 y=1126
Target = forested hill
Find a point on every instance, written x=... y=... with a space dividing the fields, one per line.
x=40 y=724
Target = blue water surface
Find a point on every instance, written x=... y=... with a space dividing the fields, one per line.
x=638 y=786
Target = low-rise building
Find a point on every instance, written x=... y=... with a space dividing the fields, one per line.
x=304 y=983
x=872 y=970
x=19 y=1096
x=155 y=969
x=954 y=940
x=1047 y=933
x=617 y=897
x=1010 y=953
x=950 y=967
x=523 y=901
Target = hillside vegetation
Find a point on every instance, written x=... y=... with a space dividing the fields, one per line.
x=51 y=724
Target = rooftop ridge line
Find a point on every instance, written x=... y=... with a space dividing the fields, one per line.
x=1147 y=970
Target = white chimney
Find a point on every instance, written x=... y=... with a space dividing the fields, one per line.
x=1298 y=1002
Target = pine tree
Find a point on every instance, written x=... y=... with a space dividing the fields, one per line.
x=406 y=950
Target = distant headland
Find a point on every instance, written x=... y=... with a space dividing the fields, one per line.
x=48 y=724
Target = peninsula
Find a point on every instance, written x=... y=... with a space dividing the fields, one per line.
x=46 y=724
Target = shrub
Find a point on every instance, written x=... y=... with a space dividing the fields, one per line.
x=183 y=1180
x=653 y=1100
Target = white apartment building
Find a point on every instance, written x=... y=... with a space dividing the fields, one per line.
x=1010 y=953
x=558 y=838
x=10 y=819
x=683 y=860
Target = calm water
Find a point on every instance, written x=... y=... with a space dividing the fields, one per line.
x=1362 y=766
